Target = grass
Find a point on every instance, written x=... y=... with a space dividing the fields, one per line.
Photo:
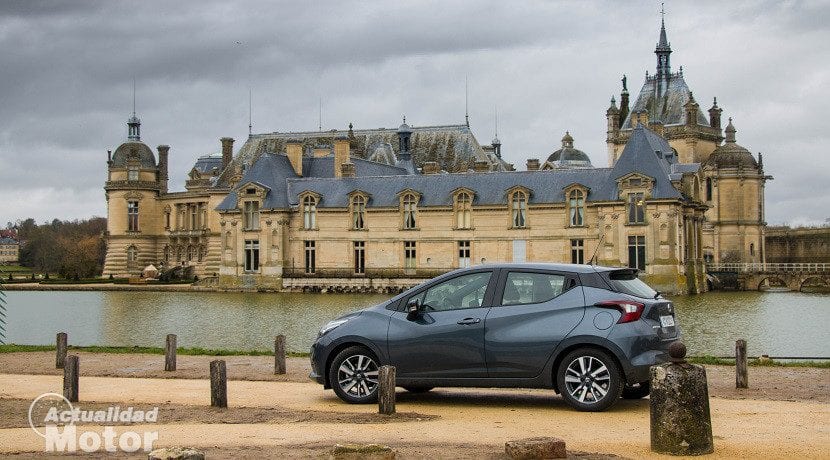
x=14 y=269
x=14 y=348
x=713 y=361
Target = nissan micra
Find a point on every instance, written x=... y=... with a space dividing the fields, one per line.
x=589 y=333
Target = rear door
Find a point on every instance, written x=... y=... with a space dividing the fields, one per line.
x=533 y=311
x=447 y=339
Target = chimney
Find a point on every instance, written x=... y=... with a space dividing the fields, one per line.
x=481 y=166
x=162 y=177
x=341 y=154
x=347 y=170
x=692 y=108
x=532 y=164
x=431 y=167
x=227 y=151
x=294 y=151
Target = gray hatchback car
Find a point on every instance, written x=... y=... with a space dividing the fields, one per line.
x=590 y=333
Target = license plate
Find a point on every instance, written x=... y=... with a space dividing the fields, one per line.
x=667 y=321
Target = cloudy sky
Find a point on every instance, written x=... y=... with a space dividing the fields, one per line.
x=67 y=68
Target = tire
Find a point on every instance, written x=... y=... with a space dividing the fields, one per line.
x=418 y=389
x=636 y=391
x=354 y=375
x=589 y=372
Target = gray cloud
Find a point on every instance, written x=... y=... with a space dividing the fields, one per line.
x=67 y=71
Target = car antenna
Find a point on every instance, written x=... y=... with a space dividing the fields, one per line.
x=593 y=257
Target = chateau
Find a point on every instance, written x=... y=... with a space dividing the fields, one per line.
x=384 y=208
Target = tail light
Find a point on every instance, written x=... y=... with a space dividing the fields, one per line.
x=631 y=311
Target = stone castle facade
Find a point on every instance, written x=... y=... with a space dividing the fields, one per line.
x=384 y=208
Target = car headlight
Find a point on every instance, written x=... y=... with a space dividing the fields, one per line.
x=331 y=325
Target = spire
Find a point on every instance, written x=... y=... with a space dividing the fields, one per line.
x=250 y=105
x=133 y=123
x=663 y=49
x=466 y=103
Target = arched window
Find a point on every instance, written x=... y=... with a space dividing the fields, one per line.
x=708 y=189
x=463 y=210
x=358 y=212
x=190 y=253
x=576 y=203
x=309 y=212
x=518 y=206
x=410 y=207
x=132 y=254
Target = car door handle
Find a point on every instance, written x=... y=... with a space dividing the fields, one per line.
x=470 y=321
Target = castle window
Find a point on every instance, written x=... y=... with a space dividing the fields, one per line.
x=463 y=210
x=409 y=255
x=518 y=205
x=190 y=253
x=309 y=212
x=167 y=253
x=708 y=189
x=358 y=212
x=250 y=191
x=132 y=174
x=193 y=217
x=637 y=252
x=167 y=219
x=636 y=208
x=132 y=216
x=410 y=207
x=577 y=251
x=360 y=257
x=463 y=254
x=310 y=257
x=132 y=254
x=251 y=216
x=576 y=205
x=200 y=253
x=752 y=249
x=251 y=255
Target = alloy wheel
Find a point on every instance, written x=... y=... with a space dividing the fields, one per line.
x=358 y=376
x=587 y=379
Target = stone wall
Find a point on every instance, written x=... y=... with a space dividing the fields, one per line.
x=798 y=245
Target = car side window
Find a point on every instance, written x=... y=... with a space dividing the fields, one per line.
x=466 y=291
x=525 y=288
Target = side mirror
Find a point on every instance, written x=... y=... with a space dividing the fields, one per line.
x=413 y=307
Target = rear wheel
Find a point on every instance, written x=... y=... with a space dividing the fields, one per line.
x=418 y=389
x=354 y=375
x=589 y=380
x=636 y=391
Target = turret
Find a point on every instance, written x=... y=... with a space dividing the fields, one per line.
x=714 y=115
x=404 y=135
x=613 y=116
x=692 y=107
x=663 y=52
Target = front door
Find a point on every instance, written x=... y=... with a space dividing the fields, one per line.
x=446 y=340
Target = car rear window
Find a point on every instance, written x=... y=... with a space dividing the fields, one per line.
x=626 y=281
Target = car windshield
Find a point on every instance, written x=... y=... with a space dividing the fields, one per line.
x=626 y=281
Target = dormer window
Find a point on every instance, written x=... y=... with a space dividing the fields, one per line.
x=410 y=209
x=576 y=208
x=635 y=182
x=358 y=212
x=518 y=209
x=250 y=191
x=463 y=210
x=309 y=212
x=636 y=208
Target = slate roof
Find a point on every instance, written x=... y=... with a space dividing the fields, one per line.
x=664 y=100
x=453 y=146
x=640 y=155
x=205 y=164
x=124 y=151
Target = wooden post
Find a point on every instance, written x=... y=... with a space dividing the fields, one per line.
x=218 y=384
x=60 y=356
x=279 y=354
x=170 y=353
x=386 y=390
x=70 y=378
x=741 y=372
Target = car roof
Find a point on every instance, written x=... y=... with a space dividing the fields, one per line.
x=573 y=268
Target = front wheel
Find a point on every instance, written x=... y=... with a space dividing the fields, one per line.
x=354 y=375
x=589 y=380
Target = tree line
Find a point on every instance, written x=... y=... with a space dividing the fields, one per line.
x=70 y=249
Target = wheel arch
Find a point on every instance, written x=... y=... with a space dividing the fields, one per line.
x=341 y=345
x=597 y=343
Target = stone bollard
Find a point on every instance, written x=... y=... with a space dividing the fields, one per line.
x=741 y=372
x=70 y=378
x=279 y=355
x=680 y=420
x=386 y=390
x=535 y=448
x=170 y=353
x=60 y=348
x=218 y=384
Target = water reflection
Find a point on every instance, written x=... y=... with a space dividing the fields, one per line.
x=792 y=324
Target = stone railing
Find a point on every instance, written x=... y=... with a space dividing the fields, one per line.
x=369 y=273
x=769 y=267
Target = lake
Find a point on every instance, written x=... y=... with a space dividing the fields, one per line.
x=777 y=324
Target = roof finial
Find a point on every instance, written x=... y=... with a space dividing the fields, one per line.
x=625 y=83
x=133 y=95
x=250 y=111
x=466 y=103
